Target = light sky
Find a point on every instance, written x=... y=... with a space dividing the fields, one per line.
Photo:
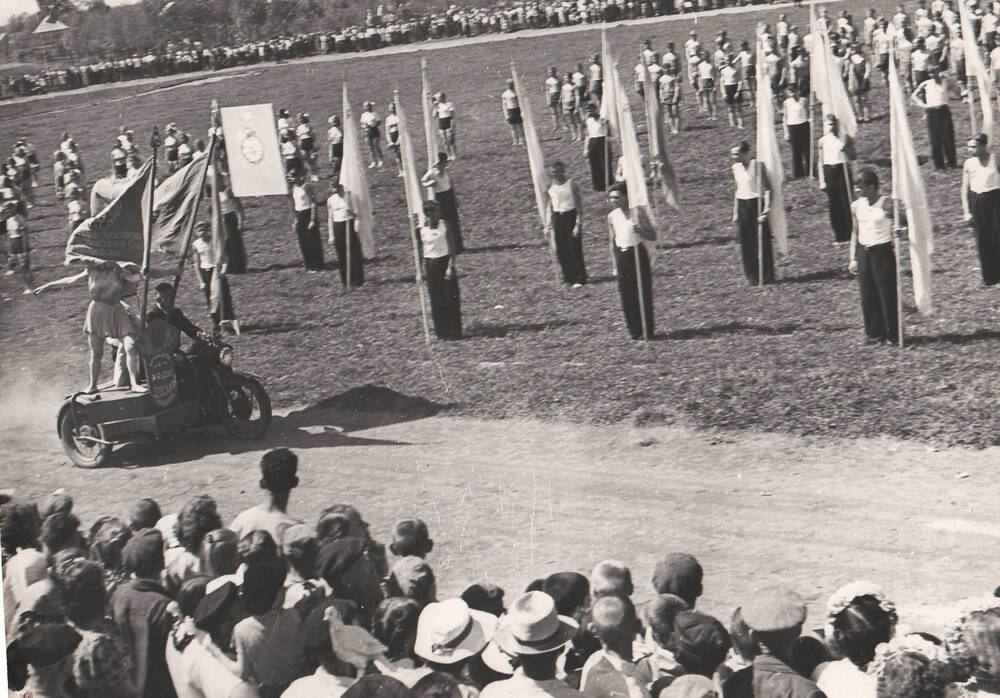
x=9 y=8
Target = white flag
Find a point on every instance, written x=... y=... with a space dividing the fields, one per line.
x=252 y=152
x=354 y=180
x=769 y=155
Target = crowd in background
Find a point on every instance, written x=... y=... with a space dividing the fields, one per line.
x=377 y=32
x=154 y=603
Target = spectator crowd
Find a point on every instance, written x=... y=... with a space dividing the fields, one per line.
x=149 y=603
x=378 y=31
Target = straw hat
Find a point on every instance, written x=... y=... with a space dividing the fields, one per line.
x=449 y=631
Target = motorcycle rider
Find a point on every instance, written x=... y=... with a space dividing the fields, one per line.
x=174 y=317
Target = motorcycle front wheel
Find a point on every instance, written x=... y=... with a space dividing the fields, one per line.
x=248 y=408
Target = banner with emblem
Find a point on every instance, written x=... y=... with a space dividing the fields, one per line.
x=252 y=151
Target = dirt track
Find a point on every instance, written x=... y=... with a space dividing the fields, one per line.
x=511 y=500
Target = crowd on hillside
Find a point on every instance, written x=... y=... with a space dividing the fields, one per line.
x=164 y=604
x=377 y=32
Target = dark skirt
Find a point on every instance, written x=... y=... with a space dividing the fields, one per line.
x=600 y=163
x=449 y=212
x=838 y=185
x=746 y=218
x=236 y=253
x=341 y=231
x=986 y=215
x=446 y=305
x=309 y=242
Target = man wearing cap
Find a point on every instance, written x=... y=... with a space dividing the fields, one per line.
x=173 y=316
x=775 y=616
x=140 y=610
x=536 y=634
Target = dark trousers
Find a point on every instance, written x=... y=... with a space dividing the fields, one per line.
x=222 y=309
x=838 y=180
x=798 y=136
x=746 y=220
x=309 y=242
x=449 y=211
x=236 y=253
x=986 y=215
x=446 y=305
x=941 y=133
x=600 y=163
x=569 y=247
x=341 y=231
x=628 y=289
x=877 y=281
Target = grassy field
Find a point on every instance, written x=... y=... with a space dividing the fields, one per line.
x=725 y=356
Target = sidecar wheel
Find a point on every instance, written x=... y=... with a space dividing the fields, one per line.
x=75 y=435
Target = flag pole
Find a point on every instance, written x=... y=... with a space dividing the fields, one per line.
x=812 y=132
x=899 y=279
x=154 y=143
x=194 y=211
x=414 y=235
x=760 y=222
x=348 y=114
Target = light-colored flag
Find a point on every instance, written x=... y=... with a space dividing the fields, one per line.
x=974 y=66
x=536 y=160
x=430 y=128
x=609 y=92
x=828 y=84
x=908 y=187
x=769 y=156
x=355 y=182
x=635 y=177
x=118 y=232
x=174 y=202
x=218 y=288
x=663 y=172
x=411 y=182
x=252 y=151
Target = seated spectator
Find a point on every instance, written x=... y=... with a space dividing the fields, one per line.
x=485 y=597
x=437 y=685
x=144 y=514
x=108 y=537
x=973 y=641
x=689 y=686
x=410 y=537
x=412 y=578
x=681 y=575
x=270 y=645
x=735 y=675
x=197 y=517
x=611 y=578
x=59 y=532
x=775 y=616
x=376 y=686
x=56 y=503
x=571 y=593
x=859 y=618
x=141 y=611
x=661 y=664
x=300 y=548
x=911 y=666
x=394 y=624
x=348 y=560
x=278 y=478
x=536 y=635
x=449 y=634
x=612 y=671
x=331 y=678
x=699 y=642
x=23 y=563
x=100 y=664
x=219 y=553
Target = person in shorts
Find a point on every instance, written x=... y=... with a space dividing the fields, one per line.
x=445 y=112
x=553 y=93
x=512 y=113
x=370 y=124
x=18 y=261
x=307 y=144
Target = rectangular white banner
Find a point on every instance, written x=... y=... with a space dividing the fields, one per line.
x=252 y=150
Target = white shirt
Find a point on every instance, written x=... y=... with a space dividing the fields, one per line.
x=435 y=240
x=982 y=178
x=369 y=119
x=832 y=149
x=842 y=679
x=634 y=679
x=335 y=135
x=552 y=86
x=640 y=72
x=444 y=110
x=706 y=71
x=595 y=128
x=935 y=95
x=729 y=75
x=624 y=229
x=595 y=71
x=206 y=256
x=392 y=123
x=509 y=100
x=520 y=686
x=561 y=196
x=796 y=110
x=301 y=197
x=874 y=228
x=304 y=131
x=746 y=180
x=262 y=518
x=321 y=683
x=995 y=59
x=338 y=210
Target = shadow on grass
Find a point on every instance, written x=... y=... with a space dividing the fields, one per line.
x=277 y=266
x=325 y=424
x=505 y=248
x=719 y=240
x=953 y=338
x=822 y=275
x=279 y=327
x=728 y=328
x=605 y=279
x=495 y=331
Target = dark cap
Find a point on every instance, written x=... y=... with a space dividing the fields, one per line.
x=700 y=642
x=212 y=607
x=484 y=597
x=144 y=551
x=44 y=644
